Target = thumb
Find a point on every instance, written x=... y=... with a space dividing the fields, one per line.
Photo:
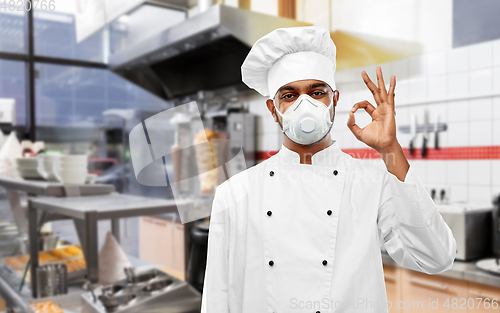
x=351 y=123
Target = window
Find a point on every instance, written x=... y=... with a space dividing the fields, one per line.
x=70 y=96
x=13 y=85
x=12 y=31
x=55 y=37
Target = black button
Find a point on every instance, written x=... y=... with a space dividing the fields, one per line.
x=269 y=213
x=318 y=312
x=271 y=173
x=325 y=262
x=335 y=172
x=329 y=212
x=271 y=263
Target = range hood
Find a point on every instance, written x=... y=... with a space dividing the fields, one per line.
x=204 y=52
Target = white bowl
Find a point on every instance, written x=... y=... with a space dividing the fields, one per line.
x=74 y=158
x=73 y=163
x=50 y=158
x=71 y=176
x=72 y=167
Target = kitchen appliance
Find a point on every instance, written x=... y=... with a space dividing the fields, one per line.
x=492 y=265
x=471 y=228
x=198 y=255
x=496 y=227
x=147 y=292
x=242 y=134
x=235 y=128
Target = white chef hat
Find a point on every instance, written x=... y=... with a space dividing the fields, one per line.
x=289 y=54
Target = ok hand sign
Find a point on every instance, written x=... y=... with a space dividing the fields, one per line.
x=380 y=133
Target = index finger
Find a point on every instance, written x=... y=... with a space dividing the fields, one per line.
x=373 y=88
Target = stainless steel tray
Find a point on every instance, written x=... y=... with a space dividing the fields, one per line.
x=489 y=265
x=145 y=296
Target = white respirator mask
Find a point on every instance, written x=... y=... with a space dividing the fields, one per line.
x=307 y=120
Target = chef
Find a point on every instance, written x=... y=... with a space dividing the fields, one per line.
x=302 y=231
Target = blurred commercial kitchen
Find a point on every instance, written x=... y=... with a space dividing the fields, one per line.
x=78 y=76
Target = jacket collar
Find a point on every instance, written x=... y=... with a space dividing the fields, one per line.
x=327 y=156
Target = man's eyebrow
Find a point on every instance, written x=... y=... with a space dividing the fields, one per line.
x=286 y=88
x=293 y=88
x=317 y=85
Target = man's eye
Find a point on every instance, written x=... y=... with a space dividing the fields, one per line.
x=287 y=96
x=318 y=93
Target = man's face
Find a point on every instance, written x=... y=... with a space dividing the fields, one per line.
x=288 y=93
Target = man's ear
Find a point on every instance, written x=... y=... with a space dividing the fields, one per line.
x=336 y=96
x=270 y=107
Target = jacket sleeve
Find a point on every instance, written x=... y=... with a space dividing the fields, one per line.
x=414 y=233
x=215 y=286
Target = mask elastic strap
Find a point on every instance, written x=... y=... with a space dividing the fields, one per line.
x=280 y=114
x=277 y=110
x=328 y=110
x=330 y=105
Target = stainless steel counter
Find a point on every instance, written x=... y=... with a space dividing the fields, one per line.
x=106 y=207
x=460 y=270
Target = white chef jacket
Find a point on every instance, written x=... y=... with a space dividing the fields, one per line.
x=291 y=237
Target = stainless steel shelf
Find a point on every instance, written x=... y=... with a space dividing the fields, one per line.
x=86 y=212
x=105 y=207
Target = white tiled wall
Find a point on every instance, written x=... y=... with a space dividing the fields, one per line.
x=461 y=85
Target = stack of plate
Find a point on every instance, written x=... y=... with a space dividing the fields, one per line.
x=28 y=168
x=72 y=169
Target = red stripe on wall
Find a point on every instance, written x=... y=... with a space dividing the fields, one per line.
x=263 y=155
x=448 y=153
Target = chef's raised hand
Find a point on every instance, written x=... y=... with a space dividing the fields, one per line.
x=380 y=133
